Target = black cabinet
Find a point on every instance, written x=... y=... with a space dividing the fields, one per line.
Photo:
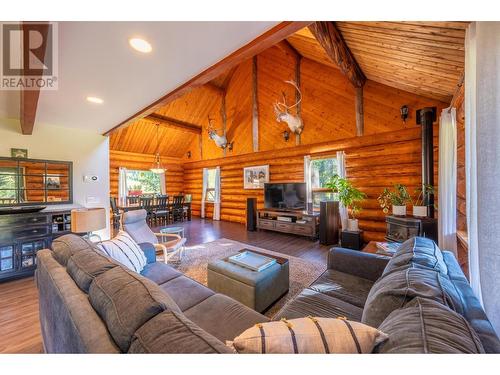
x=22 y=235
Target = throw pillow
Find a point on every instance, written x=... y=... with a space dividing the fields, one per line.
x=426 y=326
x=308 y=336
x=394 y=290
x=417 y=252
x=125 y=250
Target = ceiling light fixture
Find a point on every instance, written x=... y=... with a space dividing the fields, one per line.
x=140 y=45
x=157 y=167
x=95 y=99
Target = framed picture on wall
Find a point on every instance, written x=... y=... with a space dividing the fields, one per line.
x=255 y=177
x=19 y=152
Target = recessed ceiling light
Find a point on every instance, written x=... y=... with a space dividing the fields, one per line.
x=94 y=99
x=140 y=45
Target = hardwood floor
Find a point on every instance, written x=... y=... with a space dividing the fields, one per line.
x=19 y=324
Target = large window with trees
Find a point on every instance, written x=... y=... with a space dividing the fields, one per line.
x=143 y=182
x=210 y=197
x=321 y=172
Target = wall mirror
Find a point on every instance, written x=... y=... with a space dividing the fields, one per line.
x=30 y=182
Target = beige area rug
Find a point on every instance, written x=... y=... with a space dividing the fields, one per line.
x=196 y=258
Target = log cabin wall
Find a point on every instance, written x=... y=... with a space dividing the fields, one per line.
x=388 y=153
x=372 y=163
x=174 y=175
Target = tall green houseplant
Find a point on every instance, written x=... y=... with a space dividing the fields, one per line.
x=348 y=195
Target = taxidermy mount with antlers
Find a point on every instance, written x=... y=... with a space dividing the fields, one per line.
x=220 y=141
x=283 y=114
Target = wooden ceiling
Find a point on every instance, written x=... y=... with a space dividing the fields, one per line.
x=423 y=58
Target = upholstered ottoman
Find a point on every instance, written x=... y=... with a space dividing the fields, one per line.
x=257 y=290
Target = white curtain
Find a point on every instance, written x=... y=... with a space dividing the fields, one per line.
x=217 y=194
x=204 y=191
x=341 y=171
x=163 y=182
x=308 y=179
x=484 y=159
x=471 y=159
x=447 y=219
x=122 y=184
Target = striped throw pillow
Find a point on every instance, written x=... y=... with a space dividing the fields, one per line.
x=125 y=250
x=308 y=336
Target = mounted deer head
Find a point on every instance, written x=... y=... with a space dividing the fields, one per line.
x=220 y=141
x=283 y=114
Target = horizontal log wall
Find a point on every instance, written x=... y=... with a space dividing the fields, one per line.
x=372 y=164
x=130 y=160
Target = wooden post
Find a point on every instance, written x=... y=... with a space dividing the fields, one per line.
x=255 y=107
x=297 y=94
x=224 y=118
x=360 y=124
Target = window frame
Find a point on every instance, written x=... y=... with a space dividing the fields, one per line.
x=210 y=191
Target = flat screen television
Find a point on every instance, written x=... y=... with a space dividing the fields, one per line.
x=285 y=196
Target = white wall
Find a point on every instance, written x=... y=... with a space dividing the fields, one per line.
x=88 y=150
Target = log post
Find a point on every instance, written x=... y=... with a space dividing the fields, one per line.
x=224 y=118
x=297 y=94
x=255 y=107
x=360 y=123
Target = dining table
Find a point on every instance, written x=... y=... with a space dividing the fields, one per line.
x=125 y=206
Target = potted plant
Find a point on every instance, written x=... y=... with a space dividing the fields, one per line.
x=419 y=206
x=397 y=198
x=349 y=196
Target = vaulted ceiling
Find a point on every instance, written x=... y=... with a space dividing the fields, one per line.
x=423 y=58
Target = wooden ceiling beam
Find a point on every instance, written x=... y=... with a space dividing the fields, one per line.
x=286 y=47
x=29 y=97
x=173 y=123
x=458 y=96
x=330 y=38
x=256 y=46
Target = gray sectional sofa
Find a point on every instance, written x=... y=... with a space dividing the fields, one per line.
x=91 y=304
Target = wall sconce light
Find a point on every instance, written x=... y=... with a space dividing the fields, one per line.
x=230 y=146
x=286 y=135
x=404 y=113
x=189 y=154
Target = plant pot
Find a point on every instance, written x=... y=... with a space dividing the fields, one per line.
x=399 y=210
x=420 y=211
x=352 y=225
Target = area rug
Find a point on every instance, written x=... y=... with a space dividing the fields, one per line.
x=196 y=258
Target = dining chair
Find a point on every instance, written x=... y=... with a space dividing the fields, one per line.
x=168 y=244
x=147 y=203
x=162 y=211
x=132 y=199
x=115 y=213
x=178 y=208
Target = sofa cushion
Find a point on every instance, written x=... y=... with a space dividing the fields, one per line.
x=65 y=246
x=85 y=265
x=417 y=252
x=426 y=326
x=346 y=287
x=394 y=290
x=313 y=303
x=186 y=292
x=125 y=301
x=308 y=336
x=160 y=272
x=171 y=332
x=223 y=317
x=125 y=250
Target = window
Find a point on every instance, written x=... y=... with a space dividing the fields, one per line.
x=321 y=172
x=8 y=185
x=143 y=182
x=210 y=197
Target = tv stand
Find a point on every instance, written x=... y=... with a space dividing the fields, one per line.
x=301 y=223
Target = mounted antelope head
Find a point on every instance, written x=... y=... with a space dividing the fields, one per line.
x=220 y=141
x=283 y=114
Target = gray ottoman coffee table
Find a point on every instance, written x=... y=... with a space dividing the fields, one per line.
x=257 y=290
